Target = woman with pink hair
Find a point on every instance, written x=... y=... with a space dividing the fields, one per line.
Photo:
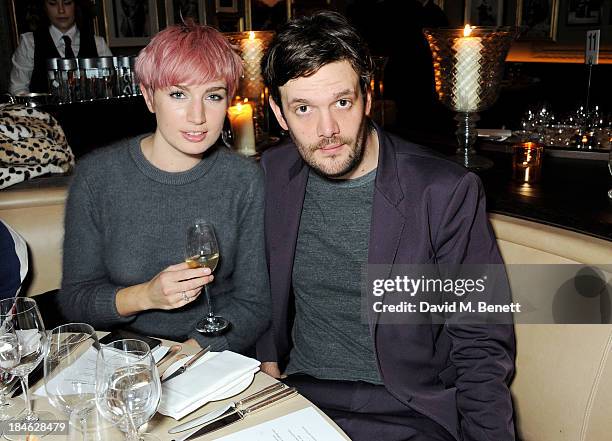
x=130 y=204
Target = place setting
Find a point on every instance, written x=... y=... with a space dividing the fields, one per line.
x=123 y=385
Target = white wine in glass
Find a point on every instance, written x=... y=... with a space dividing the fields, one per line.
x=202 y=250
x=207 y=261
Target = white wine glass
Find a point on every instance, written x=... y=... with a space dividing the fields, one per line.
x=202 y=250
x=128 y=389
x=29 y=329
x=9 y=357
x=68 y=382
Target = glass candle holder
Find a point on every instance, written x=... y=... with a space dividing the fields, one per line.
x=468 y=69
x=527 y=162
x=251 y=46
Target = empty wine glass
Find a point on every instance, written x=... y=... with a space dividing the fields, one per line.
x=9 y=357
x=69 y=380
x=202 y=250
x=128 y=389
x=30 y=332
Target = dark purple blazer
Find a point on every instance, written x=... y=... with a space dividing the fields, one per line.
x=425 y=210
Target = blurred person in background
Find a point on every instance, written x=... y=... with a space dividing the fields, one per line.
x=64 y=31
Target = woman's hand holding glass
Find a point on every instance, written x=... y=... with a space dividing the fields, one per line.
x=172 y=288
x=177 y=285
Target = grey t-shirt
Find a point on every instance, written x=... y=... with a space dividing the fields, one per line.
x=330 y=339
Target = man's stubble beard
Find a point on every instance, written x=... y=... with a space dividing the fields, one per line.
x=352 y=161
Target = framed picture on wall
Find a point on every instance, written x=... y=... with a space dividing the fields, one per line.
x=584 y=12
x=179 y=11
x=130 y=22
x=226 y=6
x=537 y=19
x=484 y=12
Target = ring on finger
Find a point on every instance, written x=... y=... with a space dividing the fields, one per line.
x=185 y=296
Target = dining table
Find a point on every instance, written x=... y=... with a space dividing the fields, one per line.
x=160 y=424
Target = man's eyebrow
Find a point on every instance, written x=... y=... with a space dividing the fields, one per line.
x=338 y=95
x=298 y=100
x=345 y=92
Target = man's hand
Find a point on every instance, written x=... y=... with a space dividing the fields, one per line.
x=271 y=368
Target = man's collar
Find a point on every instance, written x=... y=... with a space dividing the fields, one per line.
x=57 y=35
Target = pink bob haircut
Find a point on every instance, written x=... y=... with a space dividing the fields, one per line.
x=188 y=54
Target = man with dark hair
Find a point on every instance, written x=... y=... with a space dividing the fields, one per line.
x=344 y=194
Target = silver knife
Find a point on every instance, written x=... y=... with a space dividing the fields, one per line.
x=237 y=415
x=221 y=411
x=187 y=365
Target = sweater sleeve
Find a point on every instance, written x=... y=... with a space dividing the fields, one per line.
x=248 y=308
x=87 y=294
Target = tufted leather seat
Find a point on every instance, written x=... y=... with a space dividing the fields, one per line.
x=562 y=390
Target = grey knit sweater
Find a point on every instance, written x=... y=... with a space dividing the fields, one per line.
x=126 y=220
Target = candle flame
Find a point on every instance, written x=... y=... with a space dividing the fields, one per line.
x=467 y=30
x=251 y=35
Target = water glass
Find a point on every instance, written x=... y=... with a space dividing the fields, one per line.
x=72 y=350
x=128 y=389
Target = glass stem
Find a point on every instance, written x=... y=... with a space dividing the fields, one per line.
x=29 y=416
x=132 y=430
x=3 y=400
x=466 y=132
x=209 y=302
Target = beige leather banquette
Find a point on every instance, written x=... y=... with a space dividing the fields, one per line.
x=36 y=210
x=563 y=385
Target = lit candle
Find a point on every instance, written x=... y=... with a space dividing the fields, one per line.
x=468 y=52
x=252 y=50
x=241 y=120
x=527 y=162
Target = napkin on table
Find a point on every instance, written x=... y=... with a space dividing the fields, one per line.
x=205 y=381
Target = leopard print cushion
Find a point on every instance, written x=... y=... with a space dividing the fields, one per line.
x=32 y=143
